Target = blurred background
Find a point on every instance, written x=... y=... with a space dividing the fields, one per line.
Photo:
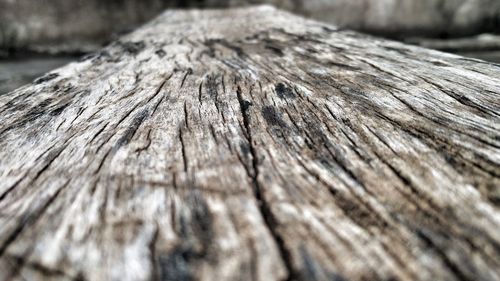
x=37 y=36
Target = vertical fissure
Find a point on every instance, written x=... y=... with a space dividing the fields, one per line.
x=263 y=206
x=183 y=151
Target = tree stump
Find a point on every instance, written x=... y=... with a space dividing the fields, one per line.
x=252 y=144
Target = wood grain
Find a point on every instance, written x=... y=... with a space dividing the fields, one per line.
x=251 y=144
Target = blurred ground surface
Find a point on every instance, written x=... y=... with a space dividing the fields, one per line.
x=16 y=73
x=50 y=23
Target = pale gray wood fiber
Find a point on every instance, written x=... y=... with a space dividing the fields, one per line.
x=251 y=144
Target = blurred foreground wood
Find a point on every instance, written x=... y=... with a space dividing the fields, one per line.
x=252 y=144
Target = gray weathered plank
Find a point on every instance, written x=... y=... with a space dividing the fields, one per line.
x=251 y=144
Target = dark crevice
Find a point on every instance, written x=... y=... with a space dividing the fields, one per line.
x=148 y=143
x=462 y=99
x=183 y=151
x=200 y=91
x=188 y=72
x=132 y=129
x=40 y=268
x=51 y=157
x=98 y=133
x=439 y=123
x=434 y=213
x=155 y=108
x=265 y=209
x=186 y=116
x=153 y=254
x=11 y=188
x=455 y=269
x=101 y=164
x=29 y=219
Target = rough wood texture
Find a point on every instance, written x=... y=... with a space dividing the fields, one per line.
x=252 y=144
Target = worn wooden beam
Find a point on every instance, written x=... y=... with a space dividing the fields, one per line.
x=251 y=144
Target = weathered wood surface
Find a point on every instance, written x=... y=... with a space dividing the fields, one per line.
x=252 y=144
